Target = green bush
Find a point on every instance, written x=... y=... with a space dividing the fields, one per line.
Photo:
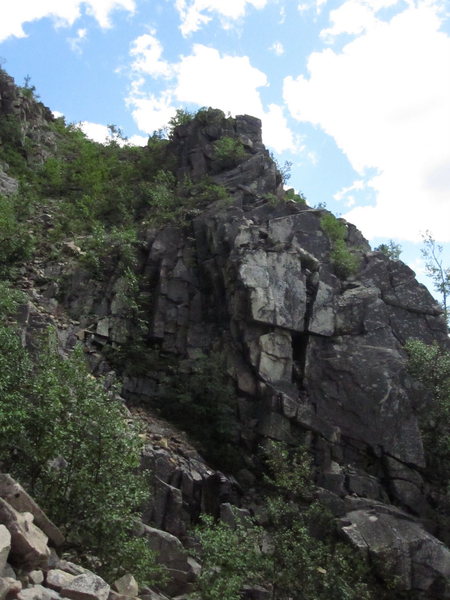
x=302 y=559
x=66 y=440
x=16 y=241
x=291 y=195
x=430 y=364
x=391 y=250
x=208 y=116
x=231 y=557
x=306 y=562
x=12 y=149
x=346 y=263
x=181 y=117
x=229 y=152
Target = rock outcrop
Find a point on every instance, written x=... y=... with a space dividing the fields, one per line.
x=314 y=352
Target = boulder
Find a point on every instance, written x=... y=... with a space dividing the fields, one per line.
x=57 y=579
x=170 y=553
x=9 y=588
x=86 y=587
x=36 y=577
x=37 y=592
x=5 y=546
x=404 y=555
x=126 y=585
x=28 y=543
x=18 y=498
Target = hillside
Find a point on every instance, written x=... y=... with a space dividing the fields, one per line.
x=249 y=334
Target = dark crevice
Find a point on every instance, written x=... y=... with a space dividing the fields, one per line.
x=299 y=353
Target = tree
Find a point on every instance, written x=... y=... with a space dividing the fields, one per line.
x=436 y=271
x=67 y=441
x=391 y=250
x=430 y=364
x=231 y=557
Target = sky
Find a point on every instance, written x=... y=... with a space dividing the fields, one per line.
x=354 y=93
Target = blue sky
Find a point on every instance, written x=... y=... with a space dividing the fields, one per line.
x=355 y=93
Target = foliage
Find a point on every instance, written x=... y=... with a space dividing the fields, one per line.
x=210 y=116
x=28 y=90
x=67 y=441
x=430 y=364
x=200 y=398
x=204 y=192
x=303 y=560
x=436 y=271
x=16 y=241
x=181 y=117
x=231 y=557
x=9 y=301
x=346 y=263
x=229 y=152
x=290 y=194
x=284 y=170
x=391 y=250
x=306 y=560
x=12 y=146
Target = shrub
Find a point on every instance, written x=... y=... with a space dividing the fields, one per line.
x=306 y=561
x=231 y=557
x=67 y=441
x=345 y=262
x=302 y=558
x=430 y=364
x=291 y=195
x=16 y=242
x=229 y=152
x=210 y=116
x=181 y=117
x=391 y=250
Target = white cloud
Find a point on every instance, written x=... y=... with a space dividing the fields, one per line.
x=275 y=130
x=359 y=184
x=101 y=9
x=75 y=42
x=63 y=13
x=277 y=48
x=312 y=157
x=318 y=5
x=95 y=131
x=151 y=112
x=137 y=140
x=384 y=99
x=228 y=82
x=354 y=16
x=194 y=14
x=101 y=133
x=204 y=78
x=148 y=52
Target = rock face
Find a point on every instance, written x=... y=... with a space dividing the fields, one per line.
x=401 y=550
x=314 y=356
x=35 y=139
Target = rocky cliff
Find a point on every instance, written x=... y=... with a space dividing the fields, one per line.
x=249 y=288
